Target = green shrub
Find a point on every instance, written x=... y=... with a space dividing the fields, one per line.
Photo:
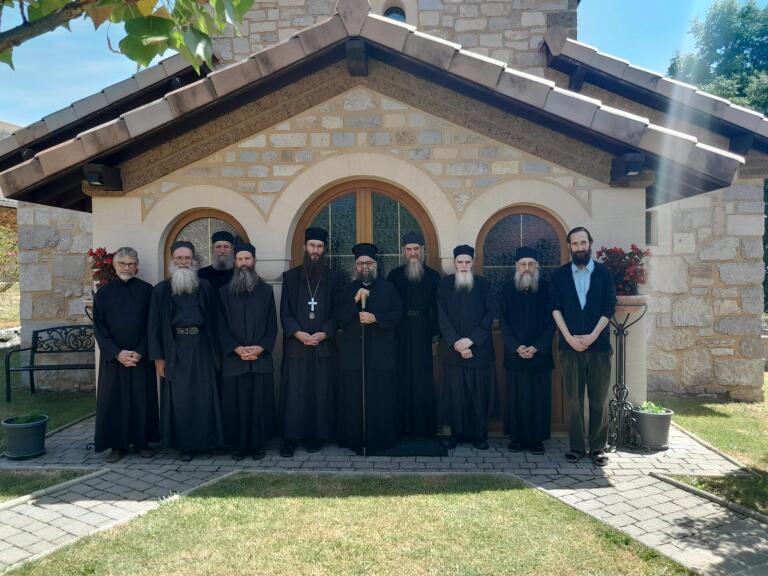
x=9 y=258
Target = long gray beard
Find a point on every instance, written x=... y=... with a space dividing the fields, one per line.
x=223 y=262
x=414 y=271
x=184 y=280
x=366 y=276
x=243 y=281
x=464 y=281
x=525 y=282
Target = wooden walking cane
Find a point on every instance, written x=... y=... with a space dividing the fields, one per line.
x=363 y=298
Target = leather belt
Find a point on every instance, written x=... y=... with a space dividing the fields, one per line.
x=188 y=330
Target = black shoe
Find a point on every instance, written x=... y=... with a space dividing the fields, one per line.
x=287 y=449
x=313 y=446
x=480 y=444
x=219 y=452
x=450 y=442
x=514 y=446
x=114 y=456
x=536 y=448
x=185 y=456
x=237 y=455
x=258 y=454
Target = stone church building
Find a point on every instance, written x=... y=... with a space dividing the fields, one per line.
x=482 y=122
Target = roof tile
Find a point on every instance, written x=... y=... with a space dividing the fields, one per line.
x=524 y=87
x=235 y=76
x=353 y=13
x=174 y=64
x=640 y=76
x=279 y=56
x=675 y=90
x=90 y=104
x=667 y=143
x=571 y=106
x=105 y=137
x=120 y=90
x=148 y=117
x=609 y=65
x=60 y=118
x=720 y=165
x=385 y=31
x=619 y=125
x=477 y=68
x=149 y=76
x=708 y=103
x=8 y=144
x=31 y=133
x=323 y=34
x=62 y=156
x=21 y=176
x=430 y=49
x=191 y=96
x=580 y=51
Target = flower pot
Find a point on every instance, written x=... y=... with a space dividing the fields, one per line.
x=653 y=429
x=25 y=440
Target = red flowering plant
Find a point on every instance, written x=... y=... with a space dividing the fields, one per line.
x=628 y=268
x=101 y=265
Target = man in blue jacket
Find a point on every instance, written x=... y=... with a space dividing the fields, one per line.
x=583 y=301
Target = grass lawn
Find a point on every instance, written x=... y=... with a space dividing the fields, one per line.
x=9 y=307
x=61 y=407
x=15 y=483
x=312 y=524
x=738 y=428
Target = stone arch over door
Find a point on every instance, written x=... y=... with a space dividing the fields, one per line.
x=502 y=233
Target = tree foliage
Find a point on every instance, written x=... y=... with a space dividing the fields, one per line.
x=731 y=54
x=151 y=26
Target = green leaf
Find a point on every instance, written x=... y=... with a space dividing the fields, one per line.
x=136 y=50
x=6 y=57
x=37 y=10
x=148 y=26
x=199 y=45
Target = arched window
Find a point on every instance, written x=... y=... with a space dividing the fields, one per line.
x=396 y=13
x=197 y=227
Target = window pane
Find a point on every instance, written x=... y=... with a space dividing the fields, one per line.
x=199 y=232
x=386 y=224
x=538 y=234
x=502 y=241
x=339 y=219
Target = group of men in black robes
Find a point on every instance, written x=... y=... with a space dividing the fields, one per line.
x=211 y=334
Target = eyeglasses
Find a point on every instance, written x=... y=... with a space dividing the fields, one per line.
x=126 y=264
x=370 y=264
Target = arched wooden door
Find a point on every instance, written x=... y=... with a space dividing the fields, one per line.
x=365 y=211
x=197 y=226
x=501 y=235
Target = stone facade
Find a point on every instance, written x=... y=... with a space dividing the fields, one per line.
x=510 y=31
x=54 y=277
x=706 y=288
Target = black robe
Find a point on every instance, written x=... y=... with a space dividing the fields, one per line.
x=419 y=325
x=526 y=320
x=468 y=387
x=307 y=390
x=126 y=403
x=190 y=416
x=217 y=278
x=380 y=360
x=247 y=394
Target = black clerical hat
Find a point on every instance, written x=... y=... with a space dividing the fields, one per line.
x=464 y=249
x=365 y=249
x=245 y=247
x=315 y=234
x=413 y=238
x=526 y=252
x=222 y=236
x=182 y=244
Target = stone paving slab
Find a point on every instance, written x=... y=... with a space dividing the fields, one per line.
x=702 y=535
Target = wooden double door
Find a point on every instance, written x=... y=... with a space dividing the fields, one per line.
x=372 y=211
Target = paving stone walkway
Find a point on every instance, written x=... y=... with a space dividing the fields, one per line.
x=706 y=537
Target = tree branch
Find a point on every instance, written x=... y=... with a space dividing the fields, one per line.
x=28 y=30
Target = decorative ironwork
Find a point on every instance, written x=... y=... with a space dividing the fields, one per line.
x=621 y=429
x=60 y=339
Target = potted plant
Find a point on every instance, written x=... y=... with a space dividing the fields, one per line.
x=627 y=267
x=25 y=436
x=652 y=425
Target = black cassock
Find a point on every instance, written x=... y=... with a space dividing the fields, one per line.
x=217 y=278
x=415 y=383
x=468 y=385
x=380 y=361
x=190 y=417
x=126 y=403
x=247 y=392
x=526 y=319
x=307 y=390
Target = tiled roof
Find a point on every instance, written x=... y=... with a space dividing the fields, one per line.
x=353 y=19
x=566 y=49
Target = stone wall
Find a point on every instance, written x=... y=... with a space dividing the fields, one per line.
x=706 y=276
x=510 y=31
x=54 y=277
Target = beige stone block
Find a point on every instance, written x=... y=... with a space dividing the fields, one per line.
x=505 y=167
x=741 y=273
x=745 y=224
x=444 y=153
x=732 y=372
x=668 y=274
x=684 y=243
x=697 y=368
x=529 y=19
x=294 y=140
x=692 y=311
x=320 y=140
x=720 y=249
x=726 y=307
x=35 y=278
x=659 y=360
x=358 y=100
x=467 y=24
x=394 y=120
x=332 y=122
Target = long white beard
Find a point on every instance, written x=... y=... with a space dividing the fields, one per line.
x=243 y=281
x=525 y=282
x=223 y=262
x=464 y=281
x=184 y=280
x=414 y=270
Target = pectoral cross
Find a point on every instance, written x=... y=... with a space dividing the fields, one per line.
x=312 y=303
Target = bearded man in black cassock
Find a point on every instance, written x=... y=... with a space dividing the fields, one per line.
x=465 y=312
x=247 y=332
x=126 y=403
x=219 y=272
x=182 y=342
x=528 y=328
x=307 y=392
x=416 y=285
x=368 y=310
